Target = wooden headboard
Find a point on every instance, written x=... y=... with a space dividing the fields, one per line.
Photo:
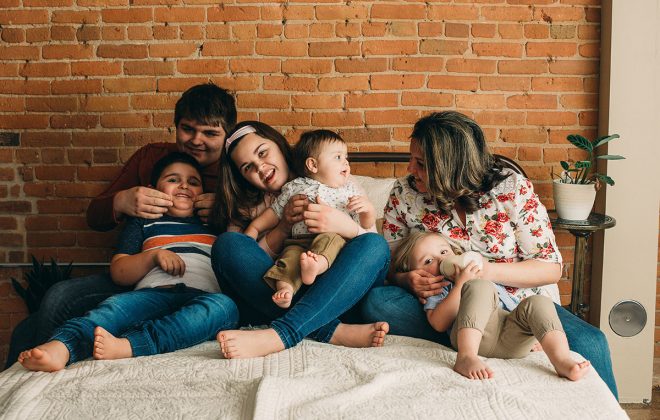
x=398 y=157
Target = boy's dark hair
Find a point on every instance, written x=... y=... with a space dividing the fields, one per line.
x=310 y=144
x=174 y=157
x=207 y=104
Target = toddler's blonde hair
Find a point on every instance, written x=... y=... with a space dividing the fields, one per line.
x=401 y=257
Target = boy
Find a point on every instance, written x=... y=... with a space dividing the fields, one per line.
x=175 y=303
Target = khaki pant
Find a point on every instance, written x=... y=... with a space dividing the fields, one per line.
x=287 y=267
x=506 y=335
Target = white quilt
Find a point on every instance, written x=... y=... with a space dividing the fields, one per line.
x=407 y=378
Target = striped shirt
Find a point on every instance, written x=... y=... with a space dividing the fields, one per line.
x=187 y=237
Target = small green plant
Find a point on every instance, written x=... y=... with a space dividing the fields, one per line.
x=39 y=279
x=581 y=172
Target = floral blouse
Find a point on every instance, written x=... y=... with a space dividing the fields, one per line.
x=510 y=225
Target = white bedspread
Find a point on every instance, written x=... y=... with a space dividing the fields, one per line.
x=407 y=378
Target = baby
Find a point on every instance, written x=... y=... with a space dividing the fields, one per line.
x=322 y=158
x=175 y=303
x=472 y=310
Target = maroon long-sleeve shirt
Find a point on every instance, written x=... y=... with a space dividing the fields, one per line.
x=136 y=172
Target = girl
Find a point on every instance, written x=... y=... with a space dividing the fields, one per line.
x=471 y=308
x=254 y=166
x=458 y=188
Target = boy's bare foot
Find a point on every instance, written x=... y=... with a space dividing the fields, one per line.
x=312 y=265
x=242 y=344
x=109 y=347
x=49 y=357
x=569 y=368
x=360 y=335
x=471 y=366
x=283 y=295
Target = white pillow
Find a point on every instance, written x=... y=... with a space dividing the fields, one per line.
x=377 y=189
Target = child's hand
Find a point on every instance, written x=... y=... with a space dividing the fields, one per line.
x=360 y=204
x=466 y=274
x=170 y=262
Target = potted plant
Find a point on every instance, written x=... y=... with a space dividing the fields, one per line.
x=575 y=189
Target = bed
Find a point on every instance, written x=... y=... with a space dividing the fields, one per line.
x=406 y=378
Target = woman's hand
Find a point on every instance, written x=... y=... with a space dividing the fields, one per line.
x=169 y=262
x=422 y=283
x=293 y=212
x=142 y=202
x=203 y=205
x=321 y=218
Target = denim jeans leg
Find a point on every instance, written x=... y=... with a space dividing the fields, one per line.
x=591 y=343
x=200 y=317
x=116 y=314
x=402 y=311
x=362 y=262
x=239 y=265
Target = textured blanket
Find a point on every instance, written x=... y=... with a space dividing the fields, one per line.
x=407 y=378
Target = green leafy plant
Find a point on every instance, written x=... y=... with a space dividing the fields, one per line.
x=39 y=279
x=582 y=171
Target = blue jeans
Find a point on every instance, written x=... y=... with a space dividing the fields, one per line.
x=239 y=264
x=154 y=321
x=406 y=317
x=63 y=301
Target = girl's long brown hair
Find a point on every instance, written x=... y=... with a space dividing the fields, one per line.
x=458 y=163
x=235 y=196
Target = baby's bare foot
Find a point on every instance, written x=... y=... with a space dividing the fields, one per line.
x=109 y=347
x=282 y=297
x=569 y=368
x=312 y=265
x=360 y=335
x=471 y=366
x=244 y=344
x=49 y=357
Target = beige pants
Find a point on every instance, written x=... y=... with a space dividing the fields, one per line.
x=506 y=335
x=287 y=266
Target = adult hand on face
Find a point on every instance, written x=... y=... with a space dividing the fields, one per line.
x=423 y=284
x=142 y=202
x=293 y=212
x=321 y=218
x=203 y=205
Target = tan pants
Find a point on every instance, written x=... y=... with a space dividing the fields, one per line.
x=287 y=266
x=506 y=335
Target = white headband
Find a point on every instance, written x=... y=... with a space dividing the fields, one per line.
x=238 y=134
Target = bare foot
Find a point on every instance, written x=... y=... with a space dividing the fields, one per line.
x=360 y=335
x=242 y=344
x=49 y=357
x=283 y=295
x=311 y=265
x=569 y=368
x=109 y=347
x=471 y=366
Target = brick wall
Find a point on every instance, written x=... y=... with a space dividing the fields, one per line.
x=83 y=83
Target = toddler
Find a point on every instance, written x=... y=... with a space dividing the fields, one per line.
x=322 y=157
x=471 y=308
x=176 y=302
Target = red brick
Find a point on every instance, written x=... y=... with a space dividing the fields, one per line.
x=554 y=14
x=36 y=223
x=50 y=239
x=550 y=49
x=470 y=83
x=88 y=33
x=8 y=121
x=361 y=65
x=589 y=50
x=418 y=64
x=172 y=50
x=516 y=84
x=551 y=118
x=237 y=83
x=391 y=117
x=397 y=82
x=347 y=83
x=500 y=118
x=68 y=16
x=179 y=14
x=114 y=33
x=579 y=101
x=12 y=35
x=131 y=15
x=527 y=101
x=125 y=85
x=522 y=67
x=269 y=30
x=98 y=173
x=554 y=155
x=37 y=34
x=465 y=65
x=165 y=32
x=347 y=30
x=524 y=135
x=13 y=207
x=483 y=30
x=480 y=101
x=19 y=53
x=122 y=51
x=23 y=17
x=507 y=13
x=510 y=30
x=244 y=32
x=305 y=84
x=104 y=103
x=457 y=30
x=283 y=48
x=399 y=11
x=63 y=33
x=289 y=118
x=252 y=65
x=255 y=100
x=453 y=12
x=161 y=68
x=97 y=139
x=536 y=31
x=224 y=13
x=556 y=84
x=63 y=87
x=332 y=49
x=317 y=101
x=74 y=121
x=431 y=99
x=12 y=104
x=374 y=29
x=228 y=48
x=442 y=47
x=306 y=66
x=8 y=223
x=385 y=47
x=95 y=68
x=29 y=87
x=343 y=12
x=337 y=119
x=193 y=32
x=371 y=100
x=133 y=120
x=489 y=49
x=100 y=156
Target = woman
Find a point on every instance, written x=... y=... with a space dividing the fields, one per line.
x=254 y=166
x=458 y=188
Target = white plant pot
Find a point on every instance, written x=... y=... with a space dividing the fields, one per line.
x=574 y=201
